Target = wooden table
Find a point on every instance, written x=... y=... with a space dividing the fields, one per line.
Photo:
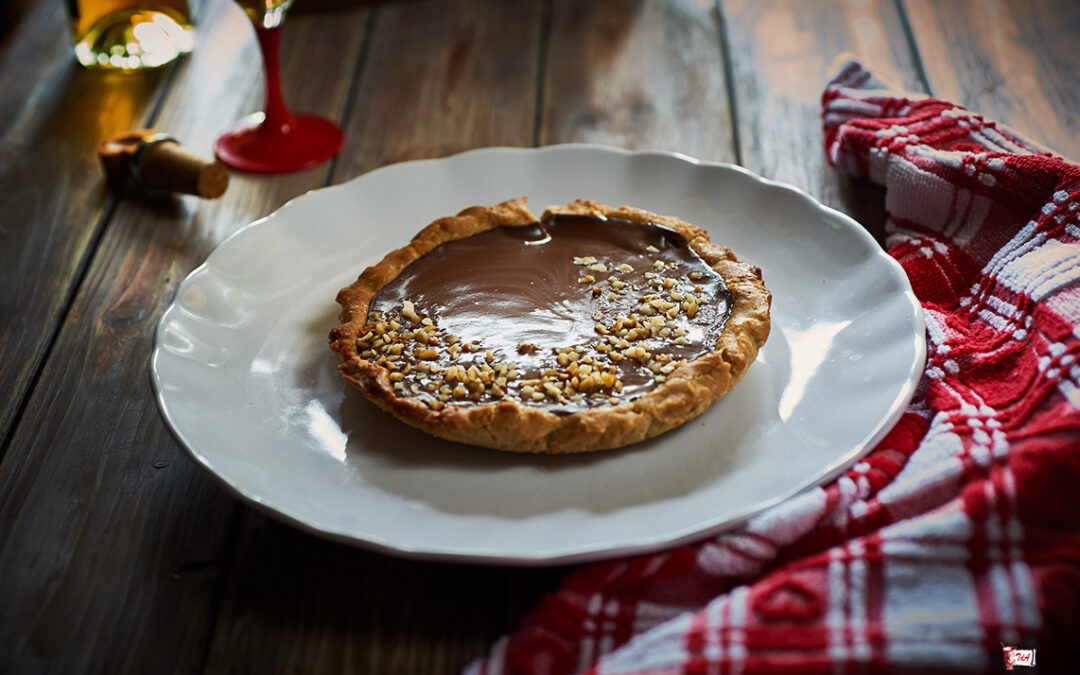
x=118 y=554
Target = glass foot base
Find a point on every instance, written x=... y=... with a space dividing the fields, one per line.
x=254 y=146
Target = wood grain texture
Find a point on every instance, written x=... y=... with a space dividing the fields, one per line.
x=299 y=604
x=1015 y=62
x=443 y=77
x=637 y=74
x=117 y=554
x=12 y=13
x=782 y=54
x=53 y=114
x=114 y=543
x=438 y=78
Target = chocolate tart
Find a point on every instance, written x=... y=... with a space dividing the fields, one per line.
x=589 y=328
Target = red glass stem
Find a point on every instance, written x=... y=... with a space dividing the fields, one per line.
x=278 y=117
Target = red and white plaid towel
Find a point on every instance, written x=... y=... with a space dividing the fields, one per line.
x=959 y=534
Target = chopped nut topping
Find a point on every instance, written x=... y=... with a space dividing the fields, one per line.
x=409 y=311
x=638 y=326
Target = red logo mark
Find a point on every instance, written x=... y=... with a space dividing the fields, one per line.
x=1018 y=657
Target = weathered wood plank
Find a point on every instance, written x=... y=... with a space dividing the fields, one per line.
x=438 y=78
x=113 y=543
x=1016 y=62
x=637 y=75
x=443 y=77
x=12 y=13
x=53 y=114
x=782 y=54
x=297 y=603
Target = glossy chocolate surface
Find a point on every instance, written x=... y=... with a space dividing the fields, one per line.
x=524 y=293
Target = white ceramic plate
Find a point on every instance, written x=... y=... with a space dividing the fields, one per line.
x=246 y=383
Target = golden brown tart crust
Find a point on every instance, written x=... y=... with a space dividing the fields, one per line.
x=509 y=424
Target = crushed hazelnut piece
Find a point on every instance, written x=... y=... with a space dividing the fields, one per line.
x=406 y=341
x=409 y=311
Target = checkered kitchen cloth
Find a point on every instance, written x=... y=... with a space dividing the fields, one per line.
x=959 y=534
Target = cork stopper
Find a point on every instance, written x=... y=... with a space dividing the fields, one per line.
x=159 y=163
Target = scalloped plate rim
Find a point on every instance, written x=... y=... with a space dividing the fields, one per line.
x=601 y=550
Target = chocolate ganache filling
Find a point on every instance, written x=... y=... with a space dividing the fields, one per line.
x=566 y=314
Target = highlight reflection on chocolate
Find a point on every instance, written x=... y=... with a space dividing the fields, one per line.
x=623 y=298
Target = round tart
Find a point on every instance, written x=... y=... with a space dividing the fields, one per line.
x=591 y=327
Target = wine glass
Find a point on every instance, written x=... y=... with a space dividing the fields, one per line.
x=275 y=140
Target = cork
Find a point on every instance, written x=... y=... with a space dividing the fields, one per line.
x=159 y=163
